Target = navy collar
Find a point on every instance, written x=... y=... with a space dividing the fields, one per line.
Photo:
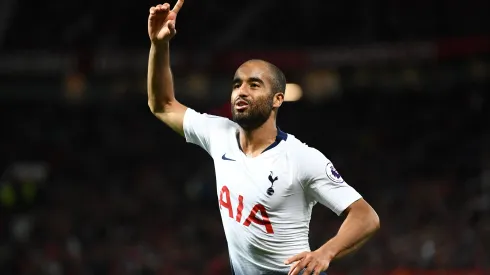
x=280 y=136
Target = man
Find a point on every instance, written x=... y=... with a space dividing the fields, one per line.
x=267 y=180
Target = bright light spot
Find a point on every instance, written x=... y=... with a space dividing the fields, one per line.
x=293 y=92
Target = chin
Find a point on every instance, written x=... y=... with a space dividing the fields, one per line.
x=240 y=119
x=239 y=115
x=248 y=123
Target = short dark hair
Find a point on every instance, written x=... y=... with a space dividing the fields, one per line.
x=278 y=79
x=277 y=76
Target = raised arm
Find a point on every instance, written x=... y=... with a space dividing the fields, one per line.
x=161 y=96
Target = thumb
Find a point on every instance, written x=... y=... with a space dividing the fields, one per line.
x=295 y=258
x=171 y=25
x=171 y=28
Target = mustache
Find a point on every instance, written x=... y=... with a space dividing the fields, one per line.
x=241 y=99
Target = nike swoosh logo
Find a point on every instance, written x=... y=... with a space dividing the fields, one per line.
x=225 y=158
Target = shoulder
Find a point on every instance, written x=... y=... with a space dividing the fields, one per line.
x=302 y=153
x=206 y=131
x=308 y=162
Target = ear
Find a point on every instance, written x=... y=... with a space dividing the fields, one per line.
x=278 y=100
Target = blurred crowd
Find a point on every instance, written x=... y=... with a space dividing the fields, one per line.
x=218 y=25
x=100 y=186
x=105 y=188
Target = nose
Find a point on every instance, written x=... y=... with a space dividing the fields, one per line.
x=243 y=91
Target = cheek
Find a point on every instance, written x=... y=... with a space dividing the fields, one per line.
x=233 y=96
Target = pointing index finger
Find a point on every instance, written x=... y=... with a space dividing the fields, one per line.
x=178 y=6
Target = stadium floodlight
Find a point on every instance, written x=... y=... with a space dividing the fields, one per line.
x=293 y=92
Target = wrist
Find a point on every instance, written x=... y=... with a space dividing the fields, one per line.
x=160 y=45
x=329 y=251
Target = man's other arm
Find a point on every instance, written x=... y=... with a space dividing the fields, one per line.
x=359 y=225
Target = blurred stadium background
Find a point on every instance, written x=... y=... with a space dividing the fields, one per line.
x=396 y=93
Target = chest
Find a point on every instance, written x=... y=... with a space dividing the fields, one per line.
x=267 y=181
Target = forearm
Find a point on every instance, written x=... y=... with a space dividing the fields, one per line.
x=160 y=81
x=356 y=229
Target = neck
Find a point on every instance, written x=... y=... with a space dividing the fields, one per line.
x=255 y=141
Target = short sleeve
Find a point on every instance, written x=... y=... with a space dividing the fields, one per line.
x=323 y=182
x=198 y=128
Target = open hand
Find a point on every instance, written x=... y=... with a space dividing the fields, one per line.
x=161 y=22
x=313 y=263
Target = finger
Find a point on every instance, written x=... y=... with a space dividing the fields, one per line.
x=178 y=6
x=171 y=24
x=317 y=271
x=295 y=258
x=293 y=267
x=171 y=27
x=296 y=271
x=311 y=268
x=300 y=266
x=152 y=10
x=324 y=267
x=162 y=8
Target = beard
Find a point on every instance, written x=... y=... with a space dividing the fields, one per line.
x=255 y=115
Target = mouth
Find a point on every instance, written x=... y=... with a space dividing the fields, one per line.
x=241 y=105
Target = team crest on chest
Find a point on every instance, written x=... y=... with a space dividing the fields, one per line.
x=272 y=179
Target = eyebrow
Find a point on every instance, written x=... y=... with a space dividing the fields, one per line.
x=251 y=79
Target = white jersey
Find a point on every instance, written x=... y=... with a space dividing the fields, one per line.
x=266 y=201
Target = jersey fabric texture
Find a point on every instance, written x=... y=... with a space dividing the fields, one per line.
x=266 y=201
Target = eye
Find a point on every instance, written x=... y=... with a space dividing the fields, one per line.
x=254 y=85
x=236 y=86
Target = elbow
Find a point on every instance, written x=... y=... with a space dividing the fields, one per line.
x=158 y=106
x=155 y=108
x=366 y=214
x=152 y=106
x=375 y=223
x=371 y=218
